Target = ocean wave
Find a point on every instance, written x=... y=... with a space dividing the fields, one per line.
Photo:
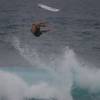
x=70 y=75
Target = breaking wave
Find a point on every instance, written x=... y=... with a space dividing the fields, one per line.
x=72 y=79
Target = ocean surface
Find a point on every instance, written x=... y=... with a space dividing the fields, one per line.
x=62 y=64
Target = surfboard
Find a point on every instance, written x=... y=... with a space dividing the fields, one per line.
x=48 y=8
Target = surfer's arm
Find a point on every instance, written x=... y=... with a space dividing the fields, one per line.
x=42 y=24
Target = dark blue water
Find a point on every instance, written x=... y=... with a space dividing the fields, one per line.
x=76 y=26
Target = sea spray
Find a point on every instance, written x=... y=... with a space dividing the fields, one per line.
x=64 y=67
x=60 y=68
x=88 y=78
x=67 y=69
x=29 y=54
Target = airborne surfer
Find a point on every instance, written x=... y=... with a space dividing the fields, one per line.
x=36 y=28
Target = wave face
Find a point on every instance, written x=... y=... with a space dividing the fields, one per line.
x=63 y=78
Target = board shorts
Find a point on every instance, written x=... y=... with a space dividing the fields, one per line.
x=37 y=34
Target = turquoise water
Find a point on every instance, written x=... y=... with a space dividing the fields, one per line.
x=30 y=75
x=84 y=94
x=34 y=76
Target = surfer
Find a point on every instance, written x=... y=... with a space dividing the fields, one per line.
x=36 y=28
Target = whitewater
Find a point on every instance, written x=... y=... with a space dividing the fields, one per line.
x=71 y=79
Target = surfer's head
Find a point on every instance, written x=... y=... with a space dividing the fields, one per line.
x=36 y=28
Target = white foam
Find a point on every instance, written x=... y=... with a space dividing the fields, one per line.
x=71 y=70
x=12 y=87
x=67 y=69
x=85 y=76
x=88 y=78
x=43 y=90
